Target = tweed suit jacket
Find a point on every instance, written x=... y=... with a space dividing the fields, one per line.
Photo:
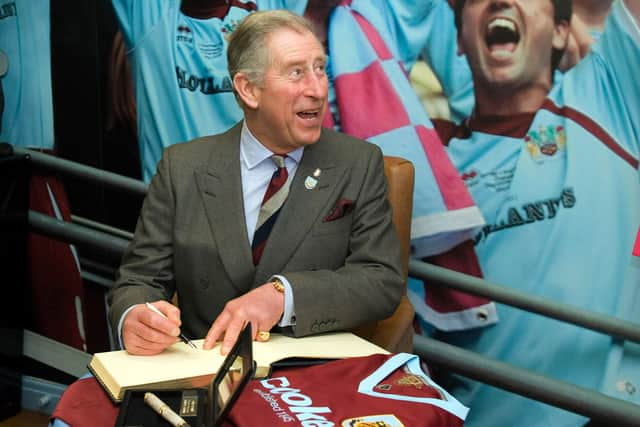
x=335 y=243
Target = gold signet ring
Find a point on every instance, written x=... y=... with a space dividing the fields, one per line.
x=264 y=335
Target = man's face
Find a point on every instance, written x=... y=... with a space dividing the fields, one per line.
x=508 y=43
x=291 y=103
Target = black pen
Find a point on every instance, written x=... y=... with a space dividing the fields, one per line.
x=182 y=337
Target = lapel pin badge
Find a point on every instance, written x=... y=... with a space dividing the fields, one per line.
x=310 y=183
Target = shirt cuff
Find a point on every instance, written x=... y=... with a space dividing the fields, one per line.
x=120 y=343
x=289 y=314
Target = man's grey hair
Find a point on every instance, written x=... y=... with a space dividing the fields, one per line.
x=247 y=52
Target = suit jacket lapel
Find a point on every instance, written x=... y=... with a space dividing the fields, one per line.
x=301 y=209
x=220 y=187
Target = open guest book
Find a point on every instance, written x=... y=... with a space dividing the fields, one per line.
x=182 y=367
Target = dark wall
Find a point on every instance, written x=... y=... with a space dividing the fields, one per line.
x=82 y=33
x=14 y=193
x=81 y=38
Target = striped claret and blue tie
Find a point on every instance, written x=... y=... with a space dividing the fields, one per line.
x=273 y=200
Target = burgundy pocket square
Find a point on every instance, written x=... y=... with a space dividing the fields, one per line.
x=342 y=208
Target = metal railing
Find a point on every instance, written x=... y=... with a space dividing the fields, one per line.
x=560 y=311
x=77 y=170
x=82 y=236
x=475 y=366
x=561 y=394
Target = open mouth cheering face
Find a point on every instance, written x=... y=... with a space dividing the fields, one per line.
x=502 y=37
x=509 y=42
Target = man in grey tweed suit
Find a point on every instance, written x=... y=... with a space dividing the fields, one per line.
x=332 y=259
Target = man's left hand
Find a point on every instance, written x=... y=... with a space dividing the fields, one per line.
x=262 y=307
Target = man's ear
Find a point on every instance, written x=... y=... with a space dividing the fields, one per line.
x=248 y=91
x=560 y=37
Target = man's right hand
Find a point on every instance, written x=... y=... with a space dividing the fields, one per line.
x=145 y=332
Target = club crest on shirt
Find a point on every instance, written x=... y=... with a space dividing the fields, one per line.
x=386 y=420
x=411 y=380
x=406 y=379
x=547 y=141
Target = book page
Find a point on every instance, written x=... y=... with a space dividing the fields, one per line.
x=177 y=361
x=325 y=346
